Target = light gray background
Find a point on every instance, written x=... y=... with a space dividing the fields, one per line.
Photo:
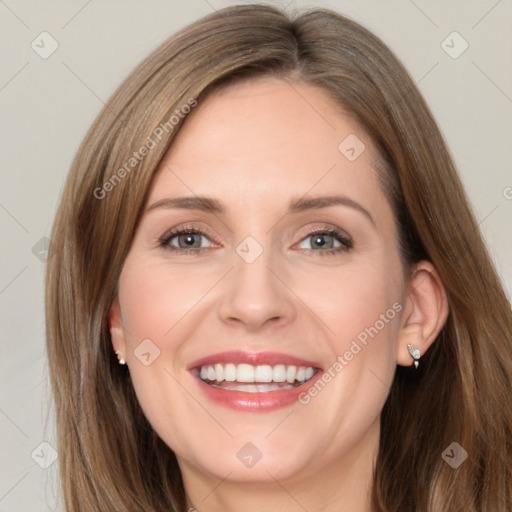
x=47 y=105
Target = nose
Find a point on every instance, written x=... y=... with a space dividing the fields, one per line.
x=256 y=295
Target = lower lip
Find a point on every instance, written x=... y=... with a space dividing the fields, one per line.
x=256 y=402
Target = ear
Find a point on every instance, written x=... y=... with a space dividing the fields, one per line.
x=116 y=328
x=425 y=312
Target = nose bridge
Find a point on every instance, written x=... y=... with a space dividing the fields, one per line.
x=254 y=293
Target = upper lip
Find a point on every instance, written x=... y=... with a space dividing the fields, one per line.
x=253 y=358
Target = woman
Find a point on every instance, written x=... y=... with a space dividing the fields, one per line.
x=268 y=291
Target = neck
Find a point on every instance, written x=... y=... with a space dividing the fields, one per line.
x=339 y=484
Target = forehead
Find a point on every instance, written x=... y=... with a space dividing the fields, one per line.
x=266 y=139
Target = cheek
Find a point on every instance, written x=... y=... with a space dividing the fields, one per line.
x=367 y=314
x=358 y=303
x=154 y=301
x=159 y=304
x=158 y=297
x=362 y=323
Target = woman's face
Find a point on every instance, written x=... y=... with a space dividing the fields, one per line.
x=291 y=272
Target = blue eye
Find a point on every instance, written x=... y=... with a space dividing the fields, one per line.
x=189 y=241
x=325 y=239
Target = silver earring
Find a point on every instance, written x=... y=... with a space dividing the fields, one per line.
x=120 y=358
x=415 y=354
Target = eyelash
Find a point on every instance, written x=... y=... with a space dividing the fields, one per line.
x=345 y=240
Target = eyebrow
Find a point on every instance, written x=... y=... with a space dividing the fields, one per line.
x=211 y=205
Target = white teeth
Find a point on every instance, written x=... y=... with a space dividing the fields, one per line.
x=245 y=373
x=291 y=372
x=254 y=388
x=263 y=373
x=279 y=373
x=301 y=373
x=219 y=371
x=230 y=372
x=260 y=376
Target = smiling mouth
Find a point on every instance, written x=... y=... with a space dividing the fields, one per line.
x=254 y=379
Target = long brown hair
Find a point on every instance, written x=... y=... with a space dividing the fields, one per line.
x=110 y=458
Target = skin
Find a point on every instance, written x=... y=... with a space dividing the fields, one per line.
x=255 y=146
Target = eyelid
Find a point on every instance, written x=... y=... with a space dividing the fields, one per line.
x=345 y=240
x=325 y=228
x=342 y=236
x=179 y=229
